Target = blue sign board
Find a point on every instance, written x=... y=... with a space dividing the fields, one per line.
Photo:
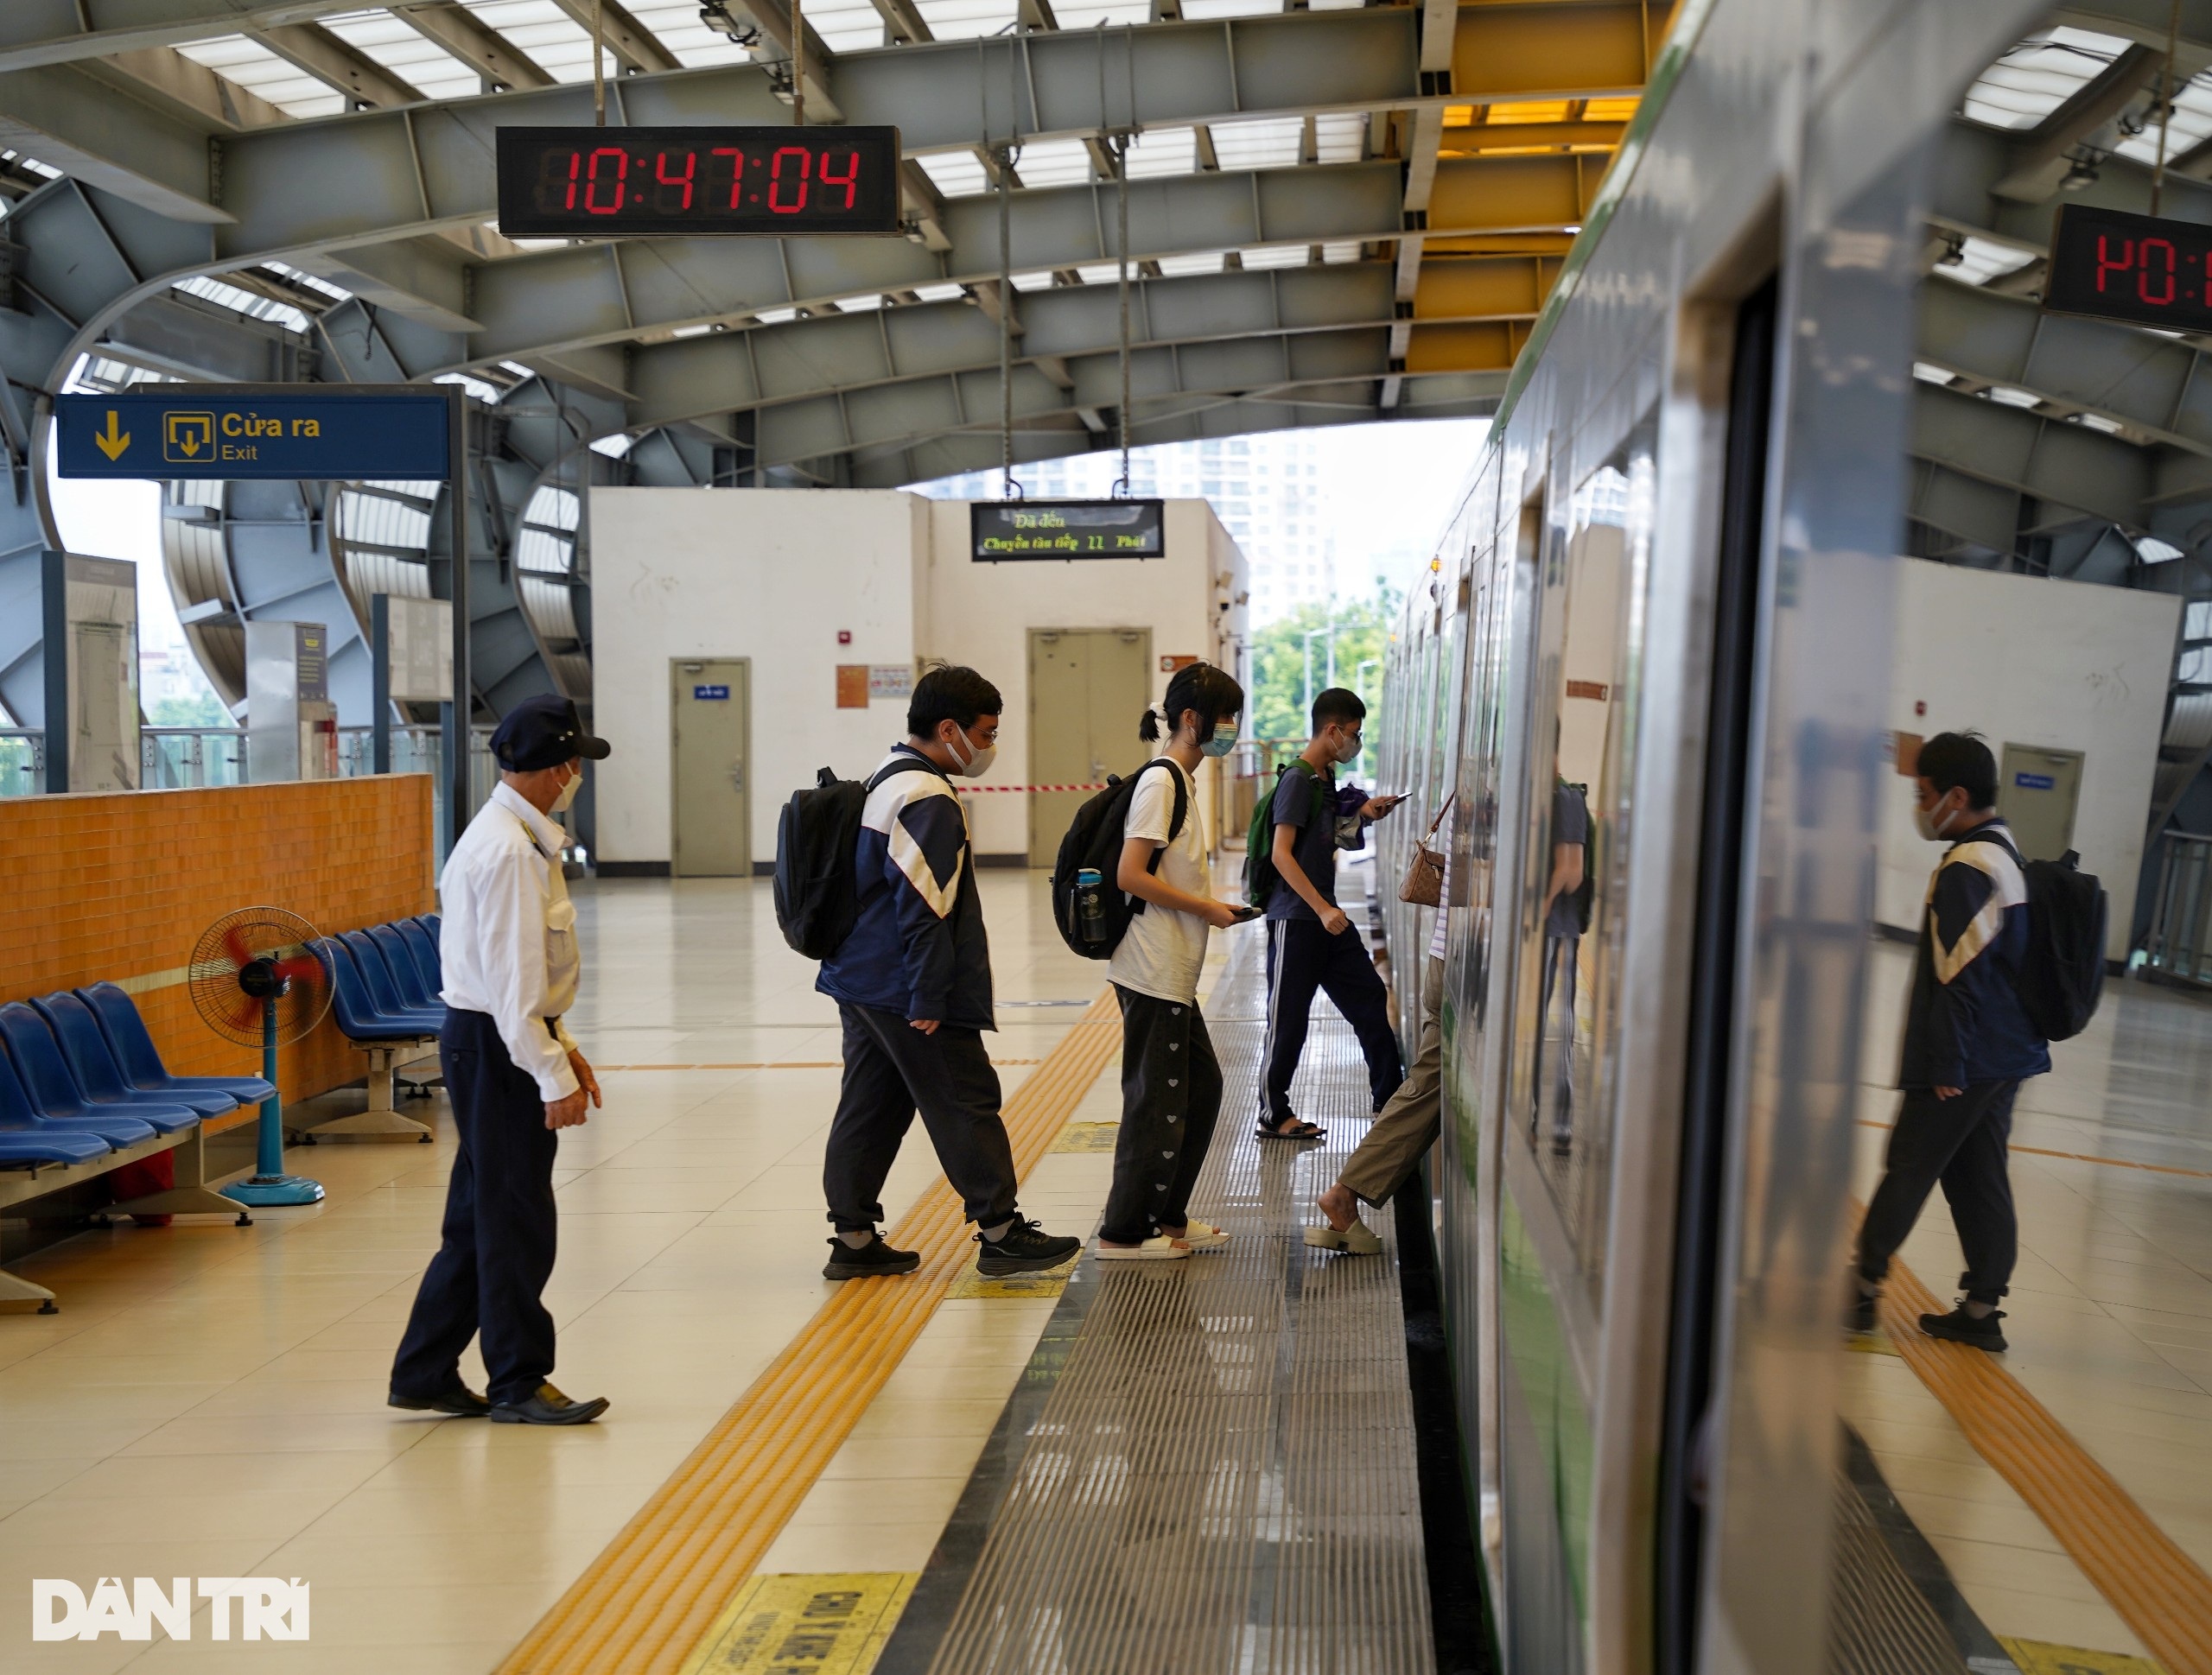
x=711 y=693
x=217 y=430
x=2035 y=782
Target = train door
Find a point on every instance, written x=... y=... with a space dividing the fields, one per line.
x=1087 y=689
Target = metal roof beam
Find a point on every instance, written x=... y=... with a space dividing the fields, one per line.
x=635 y=47
x=2042 y=161
x=35 y=32
x=70 y=120
x=338 y=64
x=2068 y=468
x=191 y=93
x=905 y=21
x=470 y=40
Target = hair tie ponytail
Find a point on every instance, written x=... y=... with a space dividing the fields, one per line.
x=1151 y=728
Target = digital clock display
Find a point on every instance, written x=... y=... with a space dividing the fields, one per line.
x=606 y=182
x=2135 y=267
x=1003 y=529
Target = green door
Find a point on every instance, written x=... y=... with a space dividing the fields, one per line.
x=1088 y=688
x=708 y=702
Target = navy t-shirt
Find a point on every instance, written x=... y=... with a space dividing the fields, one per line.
x=1314 y=848
x=1570 y=824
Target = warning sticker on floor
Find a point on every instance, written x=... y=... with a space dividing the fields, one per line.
x=1051 y=1283
x=804 y=1625
x=2036 y=1657
x=1087 y=1136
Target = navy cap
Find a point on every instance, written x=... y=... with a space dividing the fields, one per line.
x=543 y=732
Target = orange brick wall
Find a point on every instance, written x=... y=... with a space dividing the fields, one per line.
x=120 y=885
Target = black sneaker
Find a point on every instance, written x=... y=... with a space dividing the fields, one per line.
x=1859 y=1314
x=875 y=1257
x=1026 y=1248
x=1959 y=1327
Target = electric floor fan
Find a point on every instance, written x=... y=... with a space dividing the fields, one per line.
x=255 y=980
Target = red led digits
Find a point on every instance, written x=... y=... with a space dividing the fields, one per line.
x=776 y=179
x=849 y=179
x=2106 y=261
x=592 y=181
x=683 y=180
x=736 y=169
x=2143 y=286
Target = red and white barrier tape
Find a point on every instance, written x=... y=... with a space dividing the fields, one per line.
x=977 y=790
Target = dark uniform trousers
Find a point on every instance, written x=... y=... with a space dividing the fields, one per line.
x=1171 y=1099
x=1963 y=1143
x=891 y=1068
x=499 y=1228
x=1304 y=959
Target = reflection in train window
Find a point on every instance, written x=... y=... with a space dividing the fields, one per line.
x=1581 y=763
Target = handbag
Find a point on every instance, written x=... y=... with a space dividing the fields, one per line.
x=1423 y=881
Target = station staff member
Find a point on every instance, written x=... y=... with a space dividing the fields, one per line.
x=508 y=947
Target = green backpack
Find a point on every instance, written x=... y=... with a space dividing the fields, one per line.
x=1260 y=875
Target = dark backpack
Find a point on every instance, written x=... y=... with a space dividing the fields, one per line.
x=2062 y=976
x=1094 y=839
x=1260 y=875
x=817 y=847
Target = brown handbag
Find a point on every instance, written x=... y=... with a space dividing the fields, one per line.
x=1423 y=881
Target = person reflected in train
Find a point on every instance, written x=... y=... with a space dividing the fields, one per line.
x=1170 y=1080
x=1968 y=1044
x=1408 y=1126
x=1565 y=905
x=1311 y=948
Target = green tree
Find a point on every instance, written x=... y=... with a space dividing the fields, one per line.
x=1362 y=630
x=203 y=709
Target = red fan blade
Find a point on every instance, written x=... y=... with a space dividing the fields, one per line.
x=306 y=968
x=234 y=944
x=247 y=1013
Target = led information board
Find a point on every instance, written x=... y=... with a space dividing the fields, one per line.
x=1004 y=530
x=218 y=430
x=2135 y=267
x=604 y=182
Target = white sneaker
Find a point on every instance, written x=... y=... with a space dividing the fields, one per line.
x=1204 y=1236
x=1158 y=1248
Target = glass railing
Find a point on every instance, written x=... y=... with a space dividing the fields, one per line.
x=22 y=762
x=2179 y=945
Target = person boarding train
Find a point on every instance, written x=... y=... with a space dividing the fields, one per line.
x=507 y=945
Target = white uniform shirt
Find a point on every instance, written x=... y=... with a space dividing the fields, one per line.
x=1162 y=951
x=507 y=937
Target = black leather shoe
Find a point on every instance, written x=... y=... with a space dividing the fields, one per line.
x=875 y=1257
x=459 y=1400
x=547 y=1406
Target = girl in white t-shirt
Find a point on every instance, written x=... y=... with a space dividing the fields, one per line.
x=1170 y=1081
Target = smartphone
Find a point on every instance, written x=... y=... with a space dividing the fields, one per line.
x=1247 y=913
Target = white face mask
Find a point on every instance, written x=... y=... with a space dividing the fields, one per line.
x=567 y=794
x=978 y=759
x=1928 y=826
x=1349 y=750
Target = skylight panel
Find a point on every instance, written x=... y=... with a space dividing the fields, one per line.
x=2192 y=122
x=487 y=393
x=313 y=282
x=859 y=305
x=1192 y=262
x=253 y=305
x=1346 y=251
x=939 y=293
x=1053 y=162
x=415 y=60
x=1114 y=14
x=1277 y=256
x=546 y=35
x=1928 y=372
x=614 y=446
x=1341 y=138
x=1981 y=260
x=1609 y=110
x=1201 y=11
x=1160 y=151
x=2035 y=77
x=1039 y=281
x=774 y=316
x=1102 y=273
x=963 y=20
x=956 y=174
x=1270 y=142
x=257 y=70
x=2008 y=396
x=845 y=26
x=2098 y=421
x=676 y=24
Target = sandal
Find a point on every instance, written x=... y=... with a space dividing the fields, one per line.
x=1158 y=1248
x=1292 y=1130
x=1204 y=1236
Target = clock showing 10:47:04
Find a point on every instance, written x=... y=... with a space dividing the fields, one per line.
x=2117 y=265
x=604 y=182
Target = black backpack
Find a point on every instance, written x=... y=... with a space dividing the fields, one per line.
x=2062 y=976
x=818 y=845
x=1260 y=875
x=1094 y=839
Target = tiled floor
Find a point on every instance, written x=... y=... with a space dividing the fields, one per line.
x=2110 y=1317
x=210 y=1401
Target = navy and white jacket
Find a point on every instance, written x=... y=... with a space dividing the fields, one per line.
x=917 y=948
x=1964 y=1023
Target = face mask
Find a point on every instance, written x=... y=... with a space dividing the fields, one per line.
x=1928 y=825
x=1224 y=739
x=1349 y=750
x=567 y=795
x=978 y=760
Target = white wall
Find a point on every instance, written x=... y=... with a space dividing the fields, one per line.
x=2021 y=660
x=981 y=615
x=771 y=574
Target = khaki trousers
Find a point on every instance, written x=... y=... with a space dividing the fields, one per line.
x=1406 y=1127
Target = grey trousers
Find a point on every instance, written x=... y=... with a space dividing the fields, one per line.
x=1407 y=1127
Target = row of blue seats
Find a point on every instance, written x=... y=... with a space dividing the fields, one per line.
x=80 y=1077
x=384 y=981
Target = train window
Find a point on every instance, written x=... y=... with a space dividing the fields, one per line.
x=1582 y=765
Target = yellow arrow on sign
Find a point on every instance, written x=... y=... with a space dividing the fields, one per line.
x=114 y=441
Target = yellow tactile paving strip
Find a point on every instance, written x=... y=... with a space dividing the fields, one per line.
x=2157 y=1588
x=644 y=1604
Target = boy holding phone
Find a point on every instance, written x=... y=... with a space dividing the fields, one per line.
x=1312 y=947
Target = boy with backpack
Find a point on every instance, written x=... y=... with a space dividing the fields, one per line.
x=1170 y=1081
x=1969 y=1042
x=911 y=979
x=1311 y=944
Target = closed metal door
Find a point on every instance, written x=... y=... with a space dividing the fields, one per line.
x=710 y=711
x=2036 y=791
x=1088 y=690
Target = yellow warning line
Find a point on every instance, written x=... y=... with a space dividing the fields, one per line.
x=773 y=1064
x=2158 y=1590
x=643 y=1605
